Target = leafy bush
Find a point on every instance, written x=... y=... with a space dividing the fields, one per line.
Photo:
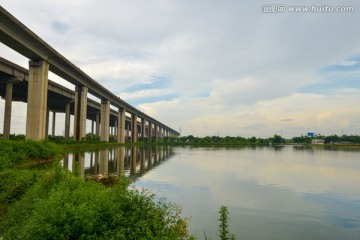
x=14 y=152
x=14 y=183
x=62 y=206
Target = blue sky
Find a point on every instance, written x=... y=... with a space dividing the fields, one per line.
x=344 y=75
x=210 y=67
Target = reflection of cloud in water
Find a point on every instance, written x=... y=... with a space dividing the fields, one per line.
x=341 y=212
x=315 y=171
x=272 y=193
x=269 y=191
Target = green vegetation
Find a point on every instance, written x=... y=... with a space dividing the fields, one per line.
x=215 y=140
x=16 y=152
x=56 y=204
x=352 y=139
x=224 y=225
x=14 y=183
x=63 y=206
x=276 y=139
x=224 y=233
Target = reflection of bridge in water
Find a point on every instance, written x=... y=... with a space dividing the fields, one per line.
x=129 y=161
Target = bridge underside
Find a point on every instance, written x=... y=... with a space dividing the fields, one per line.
x=60 y=98
x=41 y=95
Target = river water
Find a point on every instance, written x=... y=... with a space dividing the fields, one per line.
x=285 y=192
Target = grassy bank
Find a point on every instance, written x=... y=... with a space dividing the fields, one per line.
x=56 y=204
x=60 y=205
x=13 y=153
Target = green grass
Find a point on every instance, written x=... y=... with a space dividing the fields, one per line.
x=63 y=206
x=16 y=152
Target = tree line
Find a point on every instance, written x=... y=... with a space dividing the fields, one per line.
x=276 y=139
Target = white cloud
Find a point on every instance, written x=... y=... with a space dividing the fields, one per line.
x=232 y=68
x=348 y=63
x=142 y=94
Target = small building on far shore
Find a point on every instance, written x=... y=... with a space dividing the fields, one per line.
x=318 y=141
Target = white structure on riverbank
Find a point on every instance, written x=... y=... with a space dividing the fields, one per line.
x=318 y=141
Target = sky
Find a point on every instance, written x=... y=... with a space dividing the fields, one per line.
x=210 y=67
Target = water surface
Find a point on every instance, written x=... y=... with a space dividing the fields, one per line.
x=288 y=192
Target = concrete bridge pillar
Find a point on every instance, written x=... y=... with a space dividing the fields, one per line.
x=121 y=126
x=150 y=130
x=97 y=128
x=143 y=128
x=161 y=132
x=116 y=128
x=37 y=100
x=47 y=122
x=128 y=129
x=53 y=124
x=105 y=120
x=92 y=128
x=154 y=131
x=134 y=128
x=80 y=112
x=67 y=121
x=7 y=112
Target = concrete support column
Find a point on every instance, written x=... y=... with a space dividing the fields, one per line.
x=150 y=130
x=53 y=124
x=105 y=120
x=47 y=122
x=37 y=100
x=67 y=122
x=7 y=113
x=121 y=126
x=116 y=128
x=128 y=129
x=160 y=132
x=143 y=128
x=80 y=112
x=92 y=128
x=155 y=131
x=134 y=128
x=97 y=129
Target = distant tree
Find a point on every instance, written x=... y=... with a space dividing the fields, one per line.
x=278 y=139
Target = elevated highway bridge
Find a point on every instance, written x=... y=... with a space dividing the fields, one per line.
x=42 y=95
